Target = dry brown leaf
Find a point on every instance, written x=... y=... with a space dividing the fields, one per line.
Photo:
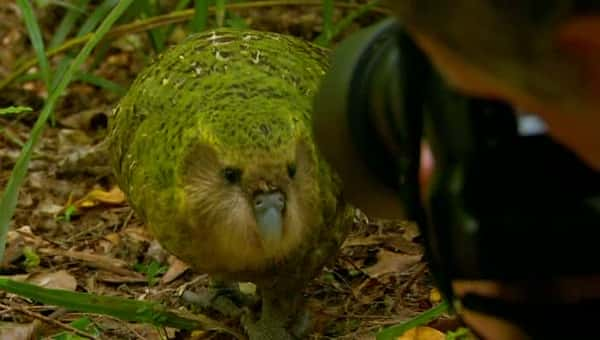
x=362 y=241
x=401 y=244
x=422 y=333
x=14 y=248
x=435 y=296
x=176 y=268
x=411 y=231
x=71 y=140
x=98 y=196
x=113 y=238
x=54 y=280
x=390 y=262
x=157 y=252
x=49 y=208
x=109 y=277
x=139 y=234
x=17 y=331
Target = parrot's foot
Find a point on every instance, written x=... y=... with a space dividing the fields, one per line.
x=225 y=298
x=265 y=328
x=210 y=299
x=302 y=324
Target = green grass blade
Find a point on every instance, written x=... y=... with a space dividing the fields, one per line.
x=60 y=3
x=181 y=4
x=67 y=23
x=235 y=21
x=122 y=308
x=100 y=54
x=33 y=28
x=327 y=20
x=14 y=110
x=150 y=9
x=101 y=82
x=61 y=68
x=97 y=15
x=200 y=19
x=325 y=38
x=220 y=12
x=426 y=317
x=8 y=201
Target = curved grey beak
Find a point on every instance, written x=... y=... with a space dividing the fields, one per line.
x=268 y=211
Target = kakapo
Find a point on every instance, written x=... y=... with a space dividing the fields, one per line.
x=213 y=147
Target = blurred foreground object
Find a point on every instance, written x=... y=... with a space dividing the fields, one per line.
x=539 y=55
x=511 y=218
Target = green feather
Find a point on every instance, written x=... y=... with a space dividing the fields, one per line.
x=246 y=97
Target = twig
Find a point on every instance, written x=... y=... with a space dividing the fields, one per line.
x=126 y=222
x=49 y=320
x=419 y=272
x=94 y=260
x=163 y=20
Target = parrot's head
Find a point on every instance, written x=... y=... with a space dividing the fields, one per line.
x=251 y=186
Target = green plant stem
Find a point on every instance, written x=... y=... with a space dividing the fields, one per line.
x=35 y=35
x=67 y=23
x=121 y=308
x=328 y=19
x=167 y=19
x=328 y=34
x=200 y=18
x=220 y=12
x=427 y=316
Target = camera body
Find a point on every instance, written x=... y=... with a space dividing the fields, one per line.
x=507 y=204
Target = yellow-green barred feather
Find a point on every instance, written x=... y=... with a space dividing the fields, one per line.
x=218 y=123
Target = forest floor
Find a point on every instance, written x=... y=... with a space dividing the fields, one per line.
x=74 y=230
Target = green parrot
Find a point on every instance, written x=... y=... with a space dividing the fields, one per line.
x=213 y=146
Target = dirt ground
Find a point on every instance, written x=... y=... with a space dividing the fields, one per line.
x=74 y=230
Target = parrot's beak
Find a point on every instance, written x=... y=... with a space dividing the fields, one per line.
x=268 y=211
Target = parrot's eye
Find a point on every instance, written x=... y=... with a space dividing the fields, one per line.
x=232 y=175
x=291 y=169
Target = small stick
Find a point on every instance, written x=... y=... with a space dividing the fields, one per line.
x=49 y=320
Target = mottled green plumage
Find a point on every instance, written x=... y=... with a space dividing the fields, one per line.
x=232 y=99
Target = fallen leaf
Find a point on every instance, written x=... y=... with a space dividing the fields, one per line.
x=401 y=244
x=434 y=296
x=113 y=238
x=17 y=331
x=422 y=333
x=15 y=243
x=362 y=241
x=391 y=262
x=247 y=288
x=98 y=196
x=139 y=234
x=71 y=140
x=54 y=280
x=49 y=208
x=176 y=268
x=157 y=252
x=411 y=231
